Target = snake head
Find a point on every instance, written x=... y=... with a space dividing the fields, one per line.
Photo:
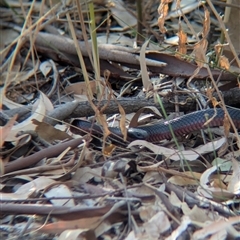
x=137 y=134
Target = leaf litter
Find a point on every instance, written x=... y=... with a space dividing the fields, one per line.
x=57 y=184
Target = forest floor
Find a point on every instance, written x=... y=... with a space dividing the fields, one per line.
x=81 y=81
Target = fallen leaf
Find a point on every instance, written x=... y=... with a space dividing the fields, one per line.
x=186 y=7
x=45 y=67
x=224 y=63
x=176 y=155
x=27 y=124
x=182 y=49
x=119 y=12
x=163 y=12
x=28 y=189
x=5 y=130
x=147 y=84
x=215 y=227
x=218 y=193
x=152 y=226
x=60 y=226
x=48 y=132
x=234 y=184
x=84 y=234
x=185 y=181
x=80 y=88
x=177 y=233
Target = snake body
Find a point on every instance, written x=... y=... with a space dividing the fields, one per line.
x=159 y=131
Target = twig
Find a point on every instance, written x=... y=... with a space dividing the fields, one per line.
x=53 y=151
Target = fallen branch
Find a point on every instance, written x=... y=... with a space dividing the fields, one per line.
x=62 y=48
x=53 y=151
x=84 y=109
x=62 y=212
x=130 y=105
x=106 y=51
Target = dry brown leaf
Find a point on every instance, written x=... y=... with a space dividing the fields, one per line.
x=198 y=214
x=153 y=177
x=108 y=150
x=147 y=84
x=143 y=191
x=152 y=215
x=83 y=175
x=226 y=125
x=217 y=183
x=200 y=52
x=80 y=88
x=206 y=23
x=234 y=184
x=134 y=120
x=175 y=155
x=185 y=181
x=4 y=131
x=104 y=124
x=27 y=124
x=48 y=132
x=200 y=48
x=153 y=228
x=214 y=102
x=221 y=47
x=78 y=234
x=182 y=49
x=208 y=191
x=224 y=63
x=146 y=212
x=60 y=226
x=215 y=227
x=18 y=76
x=163 y=12
x=122 y=121
x=28 y=189
x=102 y=120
